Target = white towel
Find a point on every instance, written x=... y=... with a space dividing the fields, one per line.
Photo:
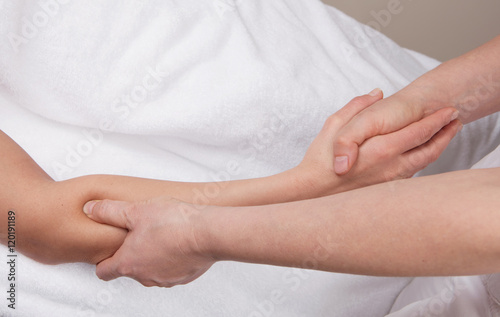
x=176 y=90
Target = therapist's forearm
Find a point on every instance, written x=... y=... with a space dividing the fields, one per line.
x=471 y=83
x=447 y=224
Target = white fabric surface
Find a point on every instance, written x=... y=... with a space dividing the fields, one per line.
x=188 y=86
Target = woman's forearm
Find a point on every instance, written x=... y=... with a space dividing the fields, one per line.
x=50 y=224
x=278 y=188
x=52 y=228
x=447 y=224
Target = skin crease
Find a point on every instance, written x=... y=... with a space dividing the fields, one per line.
x=470 y=83
x=51 y=227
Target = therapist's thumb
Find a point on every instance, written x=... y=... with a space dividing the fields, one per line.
x=345 y=147
x=114 y=213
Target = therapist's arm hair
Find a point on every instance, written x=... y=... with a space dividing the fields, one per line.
x=447 y=224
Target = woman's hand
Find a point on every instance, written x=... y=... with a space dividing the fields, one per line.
x=382 y=158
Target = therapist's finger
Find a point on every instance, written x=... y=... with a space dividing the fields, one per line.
x=430 y=151
x=107 y=270
x=355 y=106
x=352 y=108
x=419 y=132
x=384 y=117
x=114 y=213
x=342 y=117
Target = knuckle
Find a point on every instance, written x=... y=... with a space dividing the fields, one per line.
x=431 y=151
x=390 y=175
x=121 y=271
x=380 y=151
x=167 y=285
x=426 y=132
x=103 y=275
x=384 y=153
x=148 y=283
x=372 y=121
x=332 y=122
x=432 y=157
x=359 y=100
x=421 y=159
x=402 y=169
x=342 y=140
x=422 y=134
x=125 y=269
x=162 y=283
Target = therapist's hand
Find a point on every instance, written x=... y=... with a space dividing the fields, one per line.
x=385 y=116
x=160 y=248
x=384 y=156
x=470 y=82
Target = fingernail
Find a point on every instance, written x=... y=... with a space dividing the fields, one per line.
x=341 y=164
x=89 y=206
x=375 y=92
x=454 y=115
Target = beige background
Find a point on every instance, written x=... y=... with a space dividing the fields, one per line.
x=442 y=29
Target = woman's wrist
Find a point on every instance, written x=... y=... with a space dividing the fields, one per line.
x=312 y=179
x=317 y=181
